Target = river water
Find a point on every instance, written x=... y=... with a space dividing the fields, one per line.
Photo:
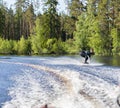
x=60 y=82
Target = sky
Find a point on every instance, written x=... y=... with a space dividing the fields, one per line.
x=62 y=5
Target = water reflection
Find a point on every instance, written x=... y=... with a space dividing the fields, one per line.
x=108 y=60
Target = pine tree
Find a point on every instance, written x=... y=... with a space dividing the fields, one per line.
x=52 y=19
x=81 y=33
x=28 y=20
x=84 y=27
x=114 y=15
x=38 y=40
x=76 y=8
x=2 y=22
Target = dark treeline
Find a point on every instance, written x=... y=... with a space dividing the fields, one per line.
x=90 y=24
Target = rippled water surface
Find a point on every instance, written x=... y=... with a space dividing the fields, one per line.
x=60 y=82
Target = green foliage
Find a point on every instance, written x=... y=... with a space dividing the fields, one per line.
x=38 y=40
x=95 y=41
x=81 y=33
x=6 y=47
x=52 y=19
x=50 y=43
x=68 y=26
x=54 y=46
x=69 y=47
x=29 y=17
x=93 y=29
x=104 y=26
x=15 y=47
x=2 y=21
x=76 y=8
x=23 y=46
x=116 y=40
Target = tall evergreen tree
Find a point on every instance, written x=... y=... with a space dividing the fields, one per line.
x=75 y=8
x=9 y=24
x=81 y=34
x=52 y=19
x=28 y=21
x=104 y=26
x=2 y=22
x=18 y=19
x=38 y=39
x=116 y=41
x=95 y=39
x=114 y=16
x=84 y=27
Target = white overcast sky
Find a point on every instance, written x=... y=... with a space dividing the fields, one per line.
x=62 y=5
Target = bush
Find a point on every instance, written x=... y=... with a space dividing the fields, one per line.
x=23 y=46
x=70 y=47
x=55 y=46
x=6 y=47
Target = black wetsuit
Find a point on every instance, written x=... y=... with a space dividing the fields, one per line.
x=86 y=55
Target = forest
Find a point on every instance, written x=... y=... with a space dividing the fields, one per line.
x=88 y=24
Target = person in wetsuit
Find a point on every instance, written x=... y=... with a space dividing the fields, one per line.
x=86 y=54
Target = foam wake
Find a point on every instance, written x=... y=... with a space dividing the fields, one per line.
x=68 y=85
